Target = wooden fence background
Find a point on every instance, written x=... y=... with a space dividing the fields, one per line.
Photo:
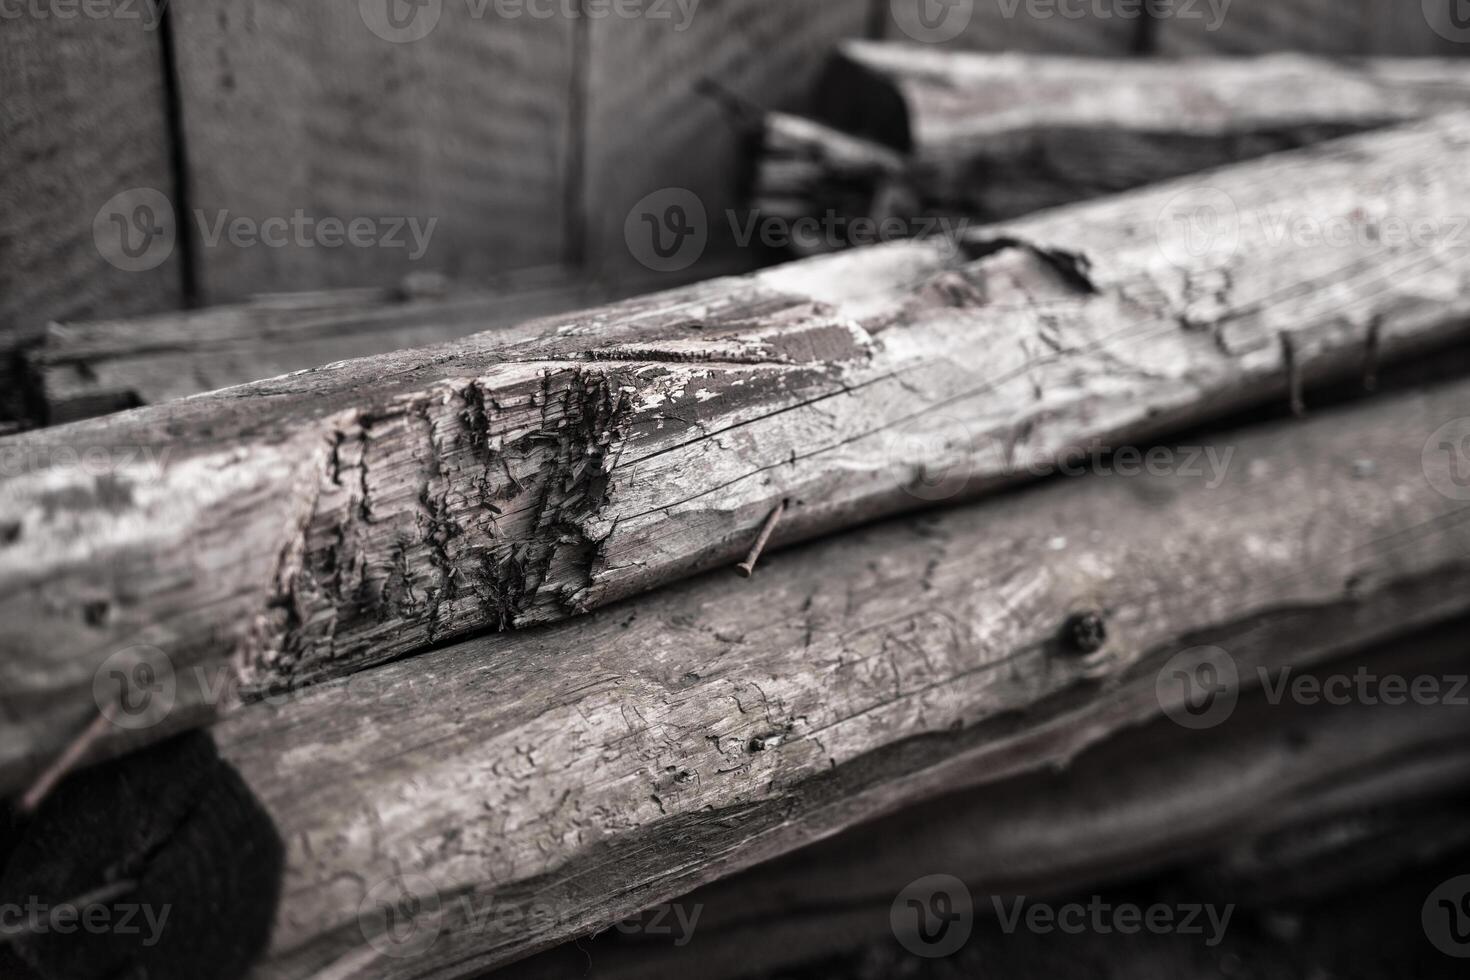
x=527 y=137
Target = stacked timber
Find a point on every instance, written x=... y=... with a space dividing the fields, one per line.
x=462 y=623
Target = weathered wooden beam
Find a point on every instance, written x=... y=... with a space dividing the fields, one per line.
x=82 y=370
x=1324 y=776
x=996 y=136
x=564 y=777
x=305 y=527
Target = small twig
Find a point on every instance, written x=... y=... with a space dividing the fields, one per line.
x=69 y=759
x=1293 y=376
x=98 y=896
x=747 y=567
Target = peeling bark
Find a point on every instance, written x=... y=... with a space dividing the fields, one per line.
x=591 y=768
x=313 y=525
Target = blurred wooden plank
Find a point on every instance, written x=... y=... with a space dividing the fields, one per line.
x=991 y=137
x=571 y=776
x=1335 y=27
x=1042 y=26
x=330 y=110
x=84 y=119
x=651 y=128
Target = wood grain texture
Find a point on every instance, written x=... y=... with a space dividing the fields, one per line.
x=297 y=529
x=304 y=107
x=651 y=126
x=1286 y=782
x=1014 y=25
x=82 y=370
x=1335 y=27
x=996 y=136
x=596 y=767
x=83 y=118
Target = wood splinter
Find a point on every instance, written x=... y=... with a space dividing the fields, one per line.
x=63 y=765
x=747 y=568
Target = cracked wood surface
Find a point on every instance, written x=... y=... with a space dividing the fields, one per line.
x=308 y=526
x=1275 y=783
x=997 y=136
x=564 y=777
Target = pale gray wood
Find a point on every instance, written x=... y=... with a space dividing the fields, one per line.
x=996 y=136
x=602 y=765
x=1151 y=798
x=294 y=530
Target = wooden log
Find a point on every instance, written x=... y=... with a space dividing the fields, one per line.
x=309 y=526
x=995 y=136
x=437 y=112
x=82 y=370
x=562 y=778
x=86 y=138
x=1160 y=796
